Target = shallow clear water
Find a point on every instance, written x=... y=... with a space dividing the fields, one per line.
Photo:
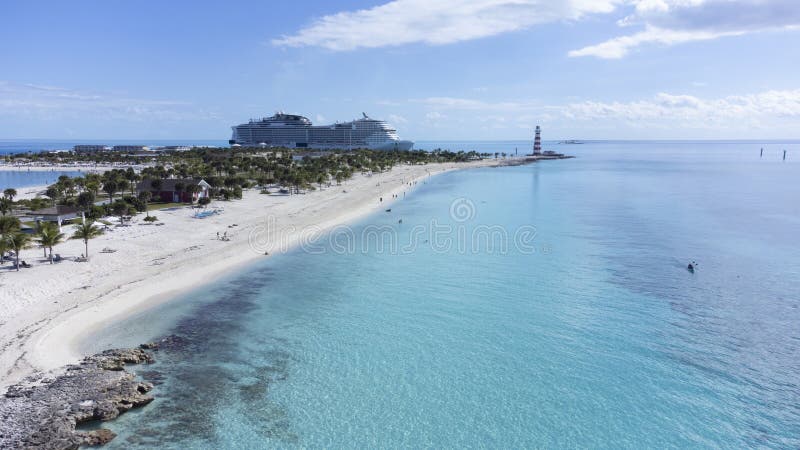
x=593 y=334
x=18 y=179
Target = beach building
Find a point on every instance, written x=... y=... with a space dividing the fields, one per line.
x=175 y=190
x=57 y=214
x=173 y=148
x=130 y=148
x=87 y=148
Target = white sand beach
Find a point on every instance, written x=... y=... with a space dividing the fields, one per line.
x=48 y=309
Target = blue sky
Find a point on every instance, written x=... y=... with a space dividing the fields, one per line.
x=447 y=69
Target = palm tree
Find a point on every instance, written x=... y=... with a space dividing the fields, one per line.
x=10 y=194
x=110 y=187
x=18 y=241
x=144 y=197
x=132 y=178
x=8 y=226
x=5 y=206
x=49 y=237
x=86 y=230
x=156 y=186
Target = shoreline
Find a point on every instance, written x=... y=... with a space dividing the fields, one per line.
x=40 y=337
x=88 y=168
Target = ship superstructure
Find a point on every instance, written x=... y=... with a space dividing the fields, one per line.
x=295 y=131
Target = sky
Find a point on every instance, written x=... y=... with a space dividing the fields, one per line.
x=434 y=69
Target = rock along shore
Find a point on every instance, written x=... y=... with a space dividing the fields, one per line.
x=45 y=415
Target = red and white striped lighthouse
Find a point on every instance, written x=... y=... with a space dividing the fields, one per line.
x=537 y=141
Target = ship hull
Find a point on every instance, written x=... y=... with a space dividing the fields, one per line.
x=394 y=145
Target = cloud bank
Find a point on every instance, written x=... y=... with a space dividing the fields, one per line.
x=671 y=22
x=437 y=22
x=53 y=102
x=659 y=22
x=773 y=109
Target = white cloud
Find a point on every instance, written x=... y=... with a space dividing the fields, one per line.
x=468 y=104
x=763 y=110
x=660 y=22
x=434 y=116
x=671 y=22
x=619 y=47
x=437 y=22
x=52 y=102
x=396 y=119
x=772 y=109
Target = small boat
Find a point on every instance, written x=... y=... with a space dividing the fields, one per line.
x=389 y=210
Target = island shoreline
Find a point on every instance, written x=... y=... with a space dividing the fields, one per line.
x=46 y=341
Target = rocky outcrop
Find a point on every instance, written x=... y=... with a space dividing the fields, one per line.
x=44 y=415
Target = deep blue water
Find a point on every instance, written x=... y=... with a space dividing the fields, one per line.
x=592 y=334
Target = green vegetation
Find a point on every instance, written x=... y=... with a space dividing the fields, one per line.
x=49 y=237
x=9 y=194
x=9 y=227
x=85 y=231
x=124 y=192
x=11 y=238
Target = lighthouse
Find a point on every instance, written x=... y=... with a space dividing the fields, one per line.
x=537 y=141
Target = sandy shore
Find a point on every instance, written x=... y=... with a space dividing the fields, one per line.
x=49 y=309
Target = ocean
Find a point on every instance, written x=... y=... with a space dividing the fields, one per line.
x=538 y=306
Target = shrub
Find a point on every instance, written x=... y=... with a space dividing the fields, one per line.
x=136 y=202
x=150 y=219
x=95 y=212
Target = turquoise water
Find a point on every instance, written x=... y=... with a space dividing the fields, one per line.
x=592 y=334
x=18 y=179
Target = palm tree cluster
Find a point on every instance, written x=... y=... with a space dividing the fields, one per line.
x=228 y=171
x=7 y=201
x=49 y=235
x=11 y=238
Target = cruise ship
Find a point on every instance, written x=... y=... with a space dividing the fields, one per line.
x=294 y=131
